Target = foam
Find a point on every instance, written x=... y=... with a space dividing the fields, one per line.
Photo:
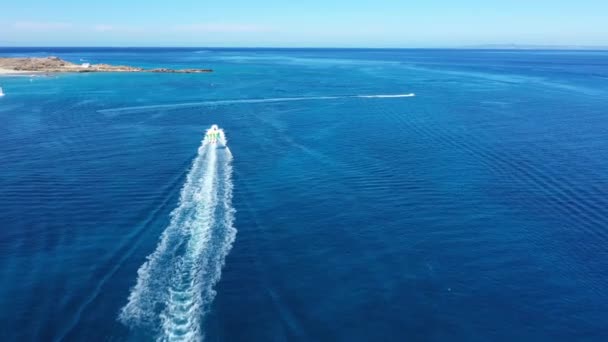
x=174 y=287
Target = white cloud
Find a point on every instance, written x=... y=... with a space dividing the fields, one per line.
x=103 y=28
x=221 y=28
x=41 y=26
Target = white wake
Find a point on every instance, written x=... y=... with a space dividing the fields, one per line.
x=137 y=109
x=386 y=96
x=175 y=286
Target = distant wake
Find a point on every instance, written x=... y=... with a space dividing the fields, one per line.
x=174 y=286
x=387 y=96
x=135 y=109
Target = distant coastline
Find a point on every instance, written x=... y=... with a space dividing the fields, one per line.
x=18 y=65
x=534 y=47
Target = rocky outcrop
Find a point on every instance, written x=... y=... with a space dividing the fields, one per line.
x=55 y=64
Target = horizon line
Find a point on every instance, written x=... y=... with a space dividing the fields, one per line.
x=463 y=47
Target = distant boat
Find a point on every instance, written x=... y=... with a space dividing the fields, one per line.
x=1 y=93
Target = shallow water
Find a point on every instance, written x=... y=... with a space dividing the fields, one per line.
x=475 y=210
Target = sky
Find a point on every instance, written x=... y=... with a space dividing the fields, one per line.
x=309 y=23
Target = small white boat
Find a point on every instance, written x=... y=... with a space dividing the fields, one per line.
x=215 y=136
x=1 y=93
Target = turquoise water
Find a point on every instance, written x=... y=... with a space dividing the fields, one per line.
x=475 y=210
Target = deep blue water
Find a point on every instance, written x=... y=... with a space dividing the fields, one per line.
x=475 y=211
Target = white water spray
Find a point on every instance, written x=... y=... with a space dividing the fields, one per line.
x=174 y=286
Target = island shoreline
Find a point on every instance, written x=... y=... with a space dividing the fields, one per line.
x=51 y=64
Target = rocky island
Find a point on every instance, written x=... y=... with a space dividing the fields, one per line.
x=54 y=64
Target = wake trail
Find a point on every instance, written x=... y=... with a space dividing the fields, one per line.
x=386 y=96
x=136 y=109
x=175 y=286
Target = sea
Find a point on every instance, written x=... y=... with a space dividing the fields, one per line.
x=362 y=195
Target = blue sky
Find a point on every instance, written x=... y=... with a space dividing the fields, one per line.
x=322 y=23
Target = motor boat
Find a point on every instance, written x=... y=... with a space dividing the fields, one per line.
x=215 y=136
